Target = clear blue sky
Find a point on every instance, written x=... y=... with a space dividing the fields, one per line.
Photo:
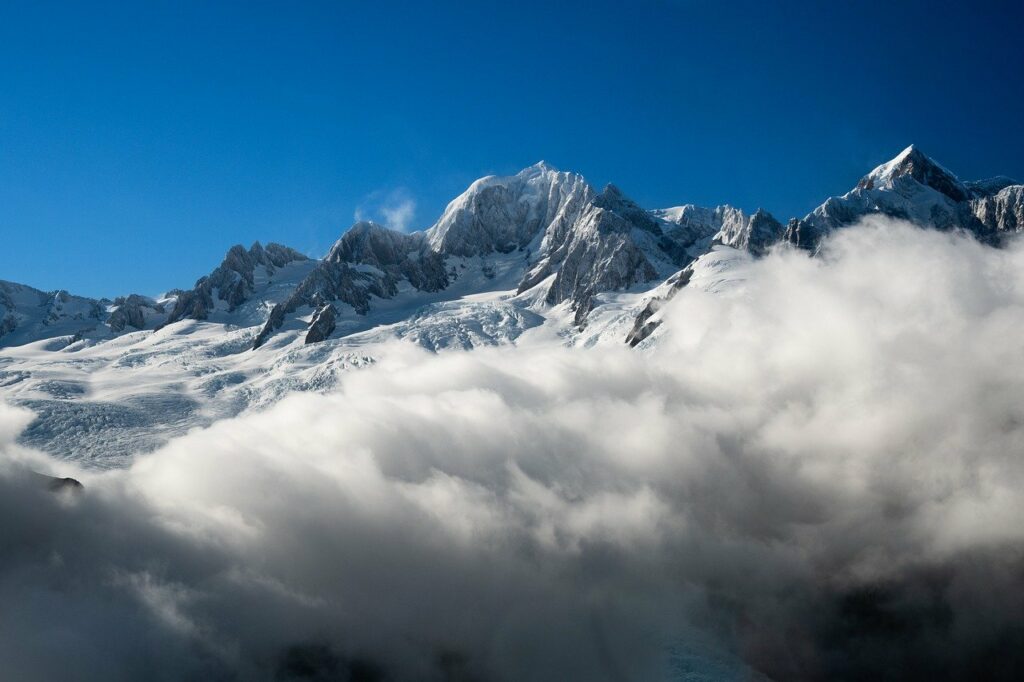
x=138 y=141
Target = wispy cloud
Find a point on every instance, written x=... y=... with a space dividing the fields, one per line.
x=395 y=208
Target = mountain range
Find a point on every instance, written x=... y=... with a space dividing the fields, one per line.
x=539 y=253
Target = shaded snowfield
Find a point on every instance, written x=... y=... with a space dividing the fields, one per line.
x=813 y=472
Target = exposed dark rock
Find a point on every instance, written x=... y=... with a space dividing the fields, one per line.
x=130 y=312
x=764 y=231
x=644 y=325
x=322 y=324
x=612 y=199
x=232 y=281
x=394 y=253
x=331 y=281
x=57 y=485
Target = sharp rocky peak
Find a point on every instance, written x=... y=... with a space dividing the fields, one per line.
x=916 y=164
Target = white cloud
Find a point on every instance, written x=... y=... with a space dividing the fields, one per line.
x=393 y=208
x=817 y=475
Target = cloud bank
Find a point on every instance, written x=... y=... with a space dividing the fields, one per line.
x=817 y=475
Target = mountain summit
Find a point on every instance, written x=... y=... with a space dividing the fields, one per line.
x=913 y=163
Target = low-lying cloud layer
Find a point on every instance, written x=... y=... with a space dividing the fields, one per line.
x=816 y=475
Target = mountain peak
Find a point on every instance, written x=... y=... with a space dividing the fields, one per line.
x=541 y=166
x=611 y=190
x=922 y=168
x=365 y=225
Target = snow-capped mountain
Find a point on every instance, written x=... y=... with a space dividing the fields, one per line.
x=914 y=187
x=911 y=187
x=546 y=227
x=536 y=255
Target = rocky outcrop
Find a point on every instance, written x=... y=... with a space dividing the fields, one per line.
x=599 y=254
x=232 y=282
x=322 y=324
x=611 y=244
x=645 y=325
x=395 y=254
x=330 y=281
x=755 y=234
x=132 y=311
x=1003 y=212
x=368 y=261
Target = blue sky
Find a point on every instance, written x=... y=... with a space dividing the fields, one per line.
x=138 y=141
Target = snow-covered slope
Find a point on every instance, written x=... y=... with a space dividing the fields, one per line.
x=536 y=257
x=28 y=314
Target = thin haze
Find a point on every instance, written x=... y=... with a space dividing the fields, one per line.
x=138 y=141
x=816 y=475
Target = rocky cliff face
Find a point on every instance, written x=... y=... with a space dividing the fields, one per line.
x=912 y=163
x=645 y=324
x=368 y=262
x=322 y=324
x=1001 y=213
x=609 y=246
x=507 y=213
x=134 y=311
x=232 y=282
